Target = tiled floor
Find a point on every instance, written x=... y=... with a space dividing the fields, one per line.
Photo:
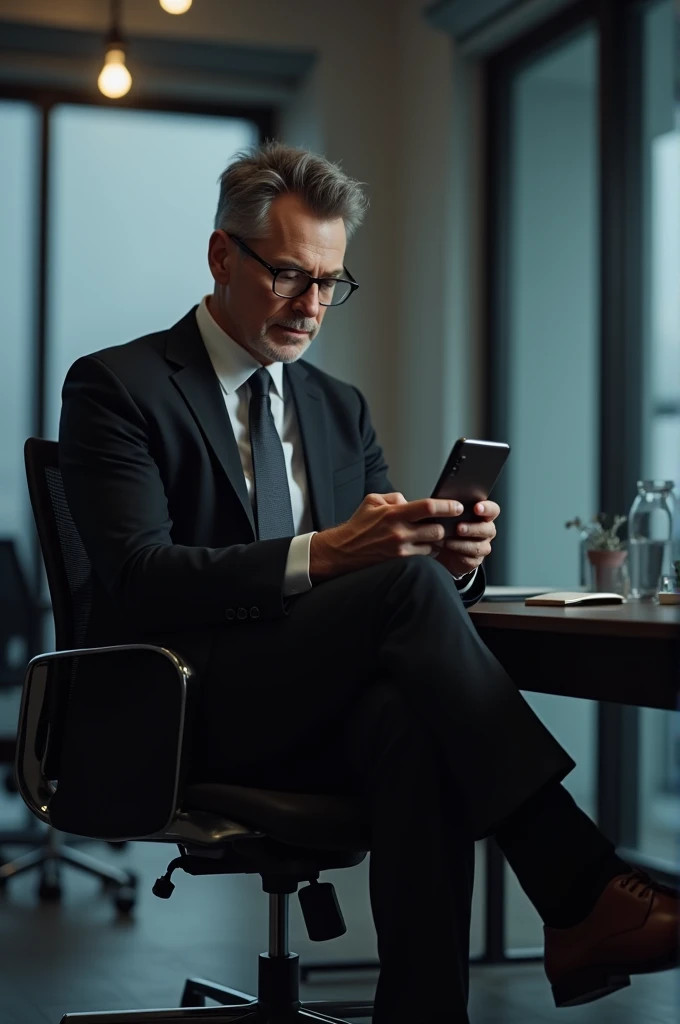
x=77 y=956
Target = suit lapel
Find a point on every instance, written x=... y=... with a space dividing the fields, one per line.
x=196 y=381
x=311 y=415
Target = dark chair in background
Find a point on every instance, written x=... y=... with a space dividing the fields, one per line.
x=118 y=754
x=17 y=626
x=19 y=619
x=51 y=849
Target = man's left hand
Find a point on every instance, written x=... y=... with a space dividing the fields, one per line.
x=472 y=543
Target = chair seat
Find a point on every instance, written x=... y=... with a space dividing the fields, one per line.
x=303 y=819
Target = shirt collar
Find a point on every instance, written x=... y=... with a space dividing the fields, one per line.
x=232 y=364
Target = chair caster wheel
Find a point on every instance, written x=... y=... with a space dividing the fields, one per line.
x=49 y=892
x=125 y=901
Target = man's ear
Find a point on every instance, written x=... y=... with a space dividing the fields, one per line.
x=219 y=256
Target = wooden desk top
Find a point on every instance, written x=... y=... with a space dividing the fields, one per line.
x=647 y=621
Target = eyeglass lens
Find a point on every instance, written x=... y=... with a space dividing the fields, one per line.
x=290 y=283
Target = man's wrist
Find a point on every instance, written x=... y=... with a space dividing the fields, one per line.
x=321 y=564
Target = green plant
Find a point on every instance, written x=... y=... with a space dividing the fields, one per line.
x=598 y=536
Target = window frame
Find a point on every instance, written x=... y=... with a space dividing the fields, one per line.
x=621 y=328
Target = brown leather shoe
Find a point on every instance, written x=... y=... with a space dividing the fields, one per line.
x=634 y=928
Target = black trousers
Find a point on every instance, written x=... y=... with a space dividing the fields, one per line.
x=376 y=683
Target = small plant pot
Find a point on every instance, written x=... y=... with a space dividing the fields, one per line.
x=609 y=571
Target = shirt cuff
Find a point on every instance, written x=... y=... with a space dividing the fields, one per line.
x=459 y=579
x=296 y=577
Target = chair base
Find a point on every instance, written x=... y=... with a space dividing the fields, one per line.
x=250 y=1013
x=48 y=860
x=278 y=975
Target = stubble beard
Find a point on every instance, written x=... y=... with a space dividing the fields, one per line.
x=282 y=352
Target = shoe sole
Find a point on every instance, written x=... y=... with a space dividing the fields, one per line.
x=596 y=982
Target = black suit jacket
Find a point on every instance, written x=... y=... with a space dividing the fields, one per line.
x=155 y=486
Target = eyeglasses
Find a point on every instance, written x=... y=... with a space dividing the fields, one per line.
x=289 y=283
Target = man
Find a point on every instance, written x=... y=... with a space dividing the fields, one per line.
x=235 y=505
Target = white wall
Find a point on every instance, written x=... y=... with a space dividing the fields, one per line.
x=379 y=100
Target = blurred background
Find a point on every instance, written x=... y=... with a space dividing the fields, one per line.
x=519 y=271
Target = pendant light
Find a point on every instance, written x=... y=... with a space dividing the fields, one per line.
x=176 y=6
x=114 y=78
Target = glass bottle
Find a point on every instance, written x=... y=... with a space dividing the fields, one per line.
x=649 y=538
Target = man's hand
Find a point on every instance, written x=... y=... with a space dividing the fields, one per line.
x=468 y=549
x=384 y=526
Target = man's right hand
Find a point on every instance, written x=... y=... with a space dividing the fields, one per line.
x=384 y=526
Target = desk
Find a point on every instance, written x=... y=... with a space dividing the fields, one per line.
x=627 y=655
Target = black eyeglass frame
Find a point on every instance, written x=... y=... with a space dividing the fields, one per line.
x=275 y=271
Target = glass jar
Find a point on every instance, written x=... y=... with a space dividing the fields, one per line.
x=649 y=538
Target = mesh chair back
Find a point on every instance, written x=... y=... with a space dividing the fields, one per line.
x=69 y=577
x=69 y=573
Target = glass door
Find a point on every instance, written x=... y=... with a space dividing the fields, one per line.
x=551 y=386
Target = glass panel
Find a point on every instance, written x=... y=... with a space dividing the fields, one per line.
x=133 y=200
x=19 y=165
x=553 y=360
x=659 y=782
x=553 y=380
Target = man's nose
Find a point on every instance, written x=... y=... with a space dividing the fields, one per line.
x=308 y=303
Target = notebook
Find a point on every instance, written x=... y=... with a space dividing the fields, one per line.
x=561 y=598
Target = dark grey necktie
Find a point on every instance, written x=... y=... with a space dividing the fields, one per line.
x=273 y=512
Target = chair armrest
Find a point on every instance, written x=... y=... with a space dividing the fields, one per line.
x=117 y=736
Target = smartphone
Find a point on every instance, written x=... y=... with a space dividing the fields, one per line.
x=469 y=475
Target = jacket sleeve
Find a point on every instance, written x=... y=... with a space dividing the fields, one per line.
x=376 y=479
x=118 y=503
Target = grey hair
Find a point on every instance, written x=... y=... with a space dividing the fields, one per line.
x=256 y=177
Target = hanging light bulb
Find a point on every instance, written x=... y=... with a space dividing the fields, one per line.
x=114 y=78
x=176 y=6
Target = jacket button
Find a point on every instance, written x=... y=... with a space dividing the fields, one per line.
x=231 y=614
x=242 y=613
x=254 y=613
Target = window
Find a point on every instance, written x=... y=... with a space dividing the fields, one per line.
x=132 y=200
x=660 y=144
x=583 y=326
x=551 y=378
x=105 y=215
x=19 y=131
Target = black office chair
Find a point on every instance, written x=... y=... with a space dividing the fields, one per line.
x=17 y=617
x=118 y=752
x=50 y=849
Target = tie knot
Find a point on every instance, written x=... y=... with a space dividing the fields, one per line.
x=259 y=382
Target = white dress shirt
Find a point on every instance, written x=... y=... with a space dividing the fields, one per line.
x=233 y=366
